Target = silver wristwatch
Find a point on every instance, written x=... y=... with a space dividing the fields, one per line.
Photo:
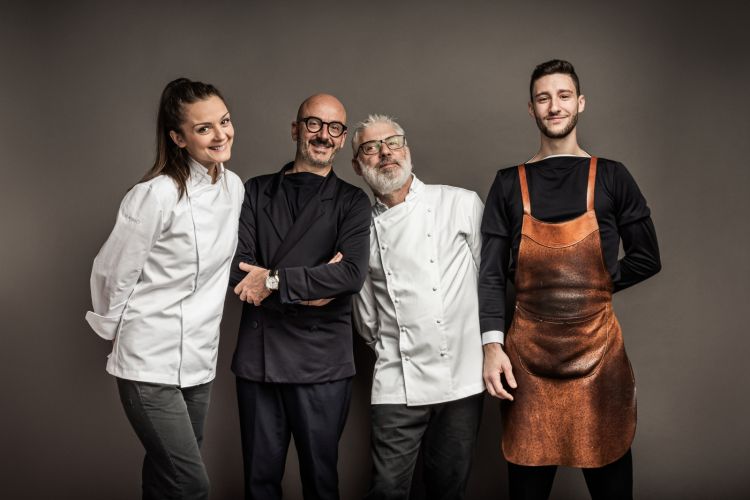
x=272 y=281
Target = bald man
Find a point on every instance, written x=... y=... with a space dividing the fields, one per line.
x=303 y=251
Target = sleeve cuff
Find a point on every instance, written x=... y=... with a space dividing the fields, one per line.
x=283 y=291
x=104 y=326
x=493 y=336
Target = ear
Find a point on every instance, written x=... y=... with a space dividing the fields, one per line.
x=581 y=103
x=177 y=139
x=531 y=109
x=343 y=140
x=357 y=167
x=295 y=130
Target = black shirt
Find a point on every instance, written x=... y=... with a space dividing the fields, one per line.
x=299 y=188
x=557 y=191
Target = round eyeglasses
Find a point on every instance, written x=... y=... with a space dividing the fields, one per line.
x=393 y=142
x=314 y=124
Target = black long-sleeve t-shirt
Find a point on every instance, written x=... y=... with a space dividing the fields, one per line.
x=557 y=191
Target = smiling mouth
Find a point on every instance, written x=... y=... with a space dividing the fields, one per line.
x=320 y=145
x=218 y=148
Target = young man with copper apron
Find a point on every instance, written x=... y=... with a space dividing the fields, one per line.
x=571 y=395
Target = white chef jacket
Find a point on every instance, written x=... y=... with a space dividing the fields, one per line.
x=158 y=283
x=418 y=308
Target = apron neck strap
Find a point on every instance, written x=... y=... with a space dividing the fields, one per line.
x=524 y=189
x=592 y=183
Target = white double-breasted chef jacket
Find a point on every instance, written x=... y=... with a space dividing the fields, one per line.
x=158 y=283
x=418 y=308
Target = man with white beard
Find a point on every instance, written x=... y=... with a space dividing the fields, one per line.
x=418 y=310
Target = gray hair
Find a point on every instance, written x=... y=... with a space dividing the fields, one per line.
x=369 y=122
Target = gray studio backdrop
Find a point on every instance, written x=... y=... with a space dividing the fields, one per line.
x=667 y=95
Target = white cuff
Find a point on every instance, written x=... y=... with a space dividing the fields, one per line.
x=104 y=326
x=493 y=336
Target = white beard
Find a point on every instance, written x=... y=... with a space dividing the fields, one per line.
x=386 y=182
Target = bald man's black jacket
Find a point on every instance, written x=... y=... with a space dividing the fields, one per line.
x=283 y=340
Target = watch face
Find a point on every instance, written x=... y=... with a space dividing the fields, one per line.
x=272 y=282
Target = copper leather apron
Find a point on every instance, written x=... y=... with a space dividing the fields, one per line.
x=575 y=402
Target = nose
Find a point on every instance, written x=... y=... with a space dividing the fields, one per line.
x=323 y=132
x=554 y=105
x=384 y=150
x=219 y=134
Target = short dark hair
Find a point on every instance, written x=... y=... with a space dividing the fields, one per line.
x=550 y=68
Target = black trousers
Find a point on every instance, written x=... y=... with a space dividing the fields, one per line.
x=611 y=482
x=270 y=414
x=169 y=422
x=446 y=434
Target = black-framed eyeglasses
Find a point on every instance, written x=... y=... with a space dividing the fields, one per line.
x=314 y=124
x=393 y=142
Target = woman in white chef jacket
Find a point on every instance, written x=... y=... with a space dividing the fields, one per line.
x=158 y=286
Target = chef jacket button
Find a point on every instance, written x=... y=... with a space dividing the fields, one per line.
x=437 y=321
x=382 y=247
x=443 y=354
x=395 y=301
x=389 y=273
x=432 y=261
x=403 y=329
x=429 y=210
x=407 y=358
x=434 y=289
x=254 y=324
x=429 y=235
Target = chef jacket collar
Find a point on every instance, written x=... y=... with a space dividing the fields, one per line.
x=414 y=190
x=199 y=174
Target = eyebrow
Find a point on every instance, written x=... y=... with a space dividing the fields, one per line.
x=209 y=123
x=384 y=138
x=560 y=91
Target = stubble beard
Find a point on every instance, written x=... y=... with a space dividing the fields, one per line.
x=556 y=135
x=303 y=149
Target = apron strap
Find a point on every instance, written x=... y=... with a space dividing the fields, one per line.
x=590 y=187
x=524 y=189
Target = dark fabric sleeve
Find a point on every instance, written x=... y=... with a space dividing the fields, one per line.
x=630 y=205
x=246 y=239
x=636 y=230
x=325 y=281
x=641 y=260
x=496 y=243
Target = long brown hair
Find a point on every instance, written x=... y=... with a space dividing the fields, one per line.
x=172 y=160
